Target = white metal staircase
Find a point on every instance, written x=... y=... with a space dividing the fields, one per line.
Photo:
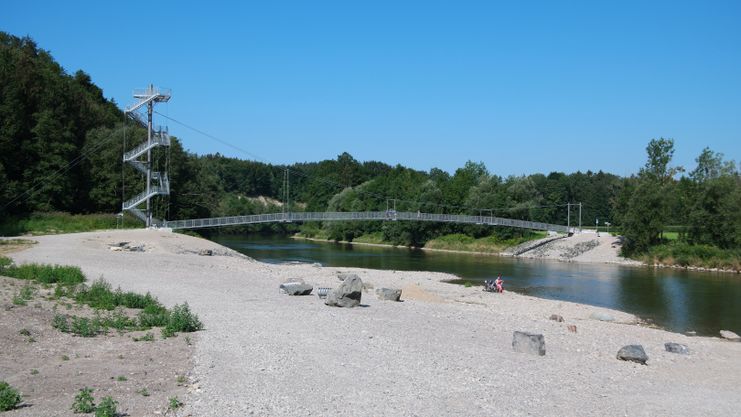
x=157 y=183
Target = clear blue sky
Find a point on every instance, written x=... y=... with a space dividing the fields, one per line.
x=522 y=86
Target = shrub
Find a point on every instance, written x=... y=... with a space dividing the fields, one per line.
x=181 y=319
x=9 y=397
x=149 y=337
x=84 y=402
x=60 y=323
x=153 y=316
x=85 y=327
x=106 y=408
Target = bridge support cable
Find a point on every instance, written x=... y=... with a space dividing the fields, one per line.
x=140 y=157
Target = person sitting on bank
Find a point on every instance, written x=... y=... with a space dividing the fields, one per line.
x=499 y=283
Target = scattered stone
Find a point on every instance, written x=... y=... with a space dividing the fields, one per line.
x=389 y=294
x=633 y=353
x=572 y=328
x=601 y=316
x=343 y=277
x=296 y=288
x=676 y=348
x=348 y=294
x=322 y=292
x=729 y=335
x=557 y=317
x=524 y=342
x=206 y=252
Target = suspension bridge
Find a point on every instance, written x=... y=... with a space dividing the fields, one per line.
x=157 y=183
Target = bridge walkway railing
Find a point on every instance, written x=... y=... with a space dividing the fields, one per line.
x=360 y=216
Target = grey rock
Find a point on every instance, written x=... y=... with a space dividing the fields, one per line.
x=557 y=317
x=633 y=353
x=389 y=294
x=727 y=334
x=601 y=316
x=343 y=277
x=531 y=343
x=676 y=348
x=691 y=333
x=206 y=252
x=296 y=288
x=348 y=294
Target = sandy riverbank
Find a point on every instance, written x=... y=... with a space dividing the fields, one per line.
x=445 y=350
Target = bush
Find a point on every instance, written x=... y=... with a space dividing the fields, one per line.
x=9 y=397
x=60 y=323
x=107 y=408
x=153 y=316
x=85 y=327
x=181 y=320
x=84 y=402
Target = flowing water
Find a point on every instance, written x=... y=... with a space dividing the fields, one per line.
x=674 y=299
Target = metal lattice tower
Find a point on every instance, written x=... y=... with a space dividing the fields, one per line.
x=157 y=182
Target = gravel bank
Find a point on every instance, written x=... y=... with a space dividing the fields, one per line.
x=445 y=350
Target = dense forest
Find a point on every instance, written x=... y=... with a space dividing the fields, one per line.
x=61 y=143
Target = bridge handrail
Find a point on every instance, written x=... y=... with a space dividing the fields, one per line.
x=364 y=215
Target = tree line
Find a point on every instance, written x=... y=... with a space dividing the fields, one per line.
x=61 y=143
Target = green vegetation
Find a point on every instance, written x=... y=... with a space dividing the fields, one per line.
x=58 y=222
x=121 y=378
x=174 y=403
x=149 y=337
x=108 y=303
x=106 y=408
x=9 y=397
x=491 y=244
x=707 y=202
x=143 y=392
x=34 y=371
x=47 y=274
x=84 y=401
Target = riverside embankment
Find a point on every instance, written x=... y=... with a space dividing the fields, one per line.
x=445 y=350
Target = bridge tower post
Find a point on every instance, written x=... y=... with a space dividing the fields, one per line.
x=155 y=137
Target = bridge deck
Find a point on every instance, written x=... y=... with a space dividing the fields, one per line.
x=358 y=216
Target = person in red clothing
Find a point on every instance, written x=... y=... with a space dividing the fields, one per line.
x=499 y=283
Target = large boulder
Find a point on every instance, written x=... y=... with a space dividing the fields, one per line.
x=676 y=348
x=531 y=343
x=344 y=276
x=633 y=353
x=388 y=294
x=727 y=334
x=296 y=288
x=348 y=294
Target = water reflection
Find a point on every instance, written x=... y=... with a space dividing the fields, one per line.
x=676 y=299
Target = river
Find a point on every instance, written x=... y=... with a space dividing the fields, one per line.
x=674 y=299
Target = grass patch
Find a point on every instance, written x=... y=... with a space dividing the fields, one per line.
x=487 y=244
x=678 y=253
x=101 y=297
x=45 y=274
x=9 y=397
x=174 y=403
x=375 y=238
x=59 y=222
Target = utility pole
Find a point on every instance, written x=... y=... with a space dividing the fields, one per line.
x=579 y=217
x=568 y=217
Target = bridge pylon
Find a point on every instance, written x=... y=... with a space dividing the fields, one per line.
x=140 y=157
